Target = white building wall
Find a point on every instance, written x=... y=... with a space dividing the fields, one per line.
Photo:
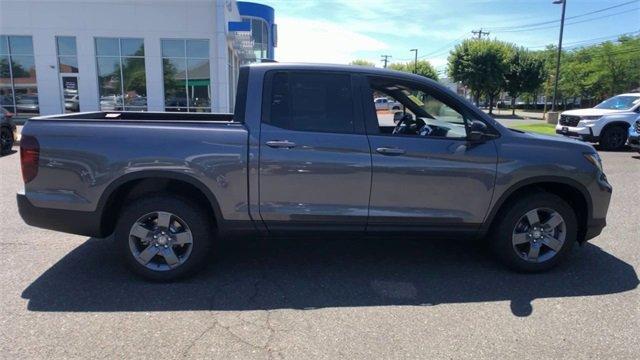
x=151 y=20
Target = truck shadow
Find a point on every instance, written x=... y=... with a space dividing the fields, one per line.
x=309 y=274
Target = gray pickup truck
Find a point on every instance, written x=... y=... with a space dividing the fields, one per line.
x=307 y=154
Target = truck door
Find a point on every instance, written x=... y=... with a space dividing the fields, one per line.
x=426 y=174
x=315 y=162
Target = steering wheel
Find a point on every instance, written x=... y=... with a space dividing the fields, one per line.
x=425 y=130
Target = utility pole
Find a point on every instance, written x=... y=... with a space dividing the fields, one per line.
x=385 y=59
x=479 y=33
x=415 y=61
x=555 y=86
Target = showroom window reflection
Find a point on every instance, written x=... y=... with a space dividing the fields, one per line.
x=186 y=75
x=122 y=78
x=18 y=85
x=260 y=35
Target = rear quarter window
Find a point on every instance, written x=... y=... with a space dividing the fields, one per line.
x=305 y=101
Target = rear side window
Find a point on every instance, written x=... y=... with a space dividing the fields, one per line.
x=320 y=102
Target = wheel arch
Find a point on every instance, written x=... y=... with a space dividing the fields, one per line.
x=616 y=123
x=568 y=189
x=137 y=184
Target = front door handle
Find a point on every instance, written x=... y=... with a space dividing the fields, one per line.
x=390 y=151
x=281 y=144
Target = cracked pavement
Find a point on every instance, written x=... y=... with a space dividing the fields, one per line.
x=66 y=296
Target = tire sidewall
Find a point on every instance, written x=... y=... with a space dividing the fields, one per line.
x=606 y=142
x=501 y=237
x=191 y=214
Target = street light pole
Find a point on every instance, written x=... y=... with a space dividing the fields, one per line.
x=555 y=86
x=415 y=61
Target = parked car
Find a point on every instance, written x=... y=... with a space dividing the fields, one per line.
x=72 y=103
x=7 y=131
x=607 y=123
x=384 y=103
x=634 y=135
x=111 y=103
x=304 y=156
x=27 y=104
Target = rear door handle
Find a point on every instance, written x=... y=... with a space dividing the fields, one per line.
x=390 y=151
x=281 y=144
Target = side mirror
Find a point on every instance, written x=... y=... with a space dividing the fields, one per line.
x=477 y=131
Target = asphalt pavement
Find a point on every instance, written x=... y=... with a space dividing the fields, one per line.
x=66 y=296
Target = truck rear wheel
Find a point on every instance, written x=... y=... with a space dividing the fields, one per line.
x=534 y=233
x=613 y=138
x=162 y=237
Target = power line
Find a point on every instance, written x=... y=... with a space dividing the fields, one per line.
x=567 y=18
x=569 y=23
x=609 y=37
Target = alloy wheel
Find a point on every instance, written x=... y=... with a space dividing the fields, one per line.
x=539 y=235
x=160 y=241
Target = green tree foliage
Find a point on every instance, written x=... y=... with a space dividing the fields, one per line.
x=525 y=74
x=362 y=62
x=481 y=65
x=595 y=72
x=424 y=68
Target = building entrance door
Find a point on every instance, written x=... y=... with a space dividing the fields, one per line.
x=70 y=96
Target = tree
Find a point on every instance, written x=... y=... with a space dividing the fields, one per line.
x=424 y=68
x=594 y=72
x=525 y=74
x=362 y=62
x=481 y=64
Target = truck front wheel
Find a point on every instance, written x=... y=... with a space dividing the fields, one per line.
x=613 y=138
x=534 y=233
x=162 y=237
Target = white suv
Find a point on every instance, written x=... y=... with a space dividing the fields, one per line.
x=607 y=123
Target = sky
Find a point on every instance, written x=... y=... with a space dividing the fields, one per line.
x=335 y=31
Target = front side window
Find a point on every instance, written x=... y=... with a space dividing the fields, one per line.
x=18 y=83
x=415 y=112
x=312 y=102
x=186 y=75
x=122 y=78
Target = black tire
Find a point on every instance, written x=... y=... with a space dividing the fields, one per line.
x=508 y=218
x=6 y=140
x=196 y=218
x=613 y=138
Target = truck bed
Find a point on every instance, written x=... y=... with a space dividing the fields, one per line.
x=83 y=156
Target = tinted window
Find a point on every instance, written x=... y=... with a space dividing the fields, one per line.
x=312 y=102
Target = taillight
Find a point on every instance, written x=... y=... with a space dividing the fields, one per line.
x=29 y=157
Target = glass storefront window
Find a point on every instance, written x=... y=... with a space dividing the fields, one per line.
x=186 y=75
x=122 y=79
x=18 y=82
x=67 y=70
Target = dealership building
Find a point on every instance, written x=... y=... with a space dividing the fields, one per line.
x=136 y=55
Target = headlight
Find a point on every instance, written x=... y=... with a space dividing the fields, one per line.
x=588 y=120
x=594 y=159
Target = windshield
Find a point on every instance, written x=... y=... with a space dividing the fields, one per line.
x=622 y=102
